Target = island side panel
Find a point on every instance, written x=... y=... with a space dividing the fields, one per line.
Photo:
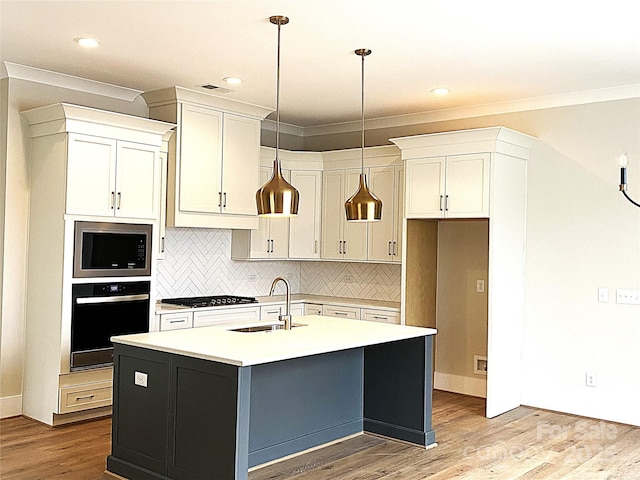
x=304 y=402
x=398 y=382
x=139 y=421
x=204 y=430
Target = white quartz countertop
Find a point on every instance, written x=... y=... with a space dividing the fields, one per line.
x=318 y=335
x=296 y=298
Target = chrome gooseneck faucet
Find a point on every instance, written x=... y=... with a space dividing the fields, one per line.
x=286 y=318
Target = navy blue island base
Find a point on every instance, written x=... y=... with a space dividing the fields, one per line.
x=198 y=419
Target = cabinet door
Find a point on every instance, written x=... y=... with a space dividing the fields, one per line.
x=425 y=188
x=381 y=234
x=332 y=214
x=398 y=214
x=200 y=160
x=91 y=168
x=354 y=234
x=304 y=229
x=271 y=312
x=260 y=239
x=467 y=186
x=279 y=237
x=241 y=164
x=138 y=183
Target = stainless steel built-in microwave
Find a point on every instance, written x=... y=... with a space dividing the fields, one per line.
x=105 y=249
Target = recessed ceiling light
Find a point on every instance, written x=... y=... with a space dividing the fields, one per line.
x=232 y=80
x=86 y=42
x=440 y=91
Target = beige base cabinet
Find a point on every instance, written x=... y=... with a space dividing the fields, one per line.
x=85 y=164
x=214 y=158
x=483 y=172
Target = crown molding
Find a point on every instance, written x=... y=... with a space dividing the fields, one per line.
x=513 y=106
x=285 y=128
x=38 y=75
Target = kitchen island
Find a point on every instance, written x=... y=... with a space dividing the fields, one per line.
x=210 y=403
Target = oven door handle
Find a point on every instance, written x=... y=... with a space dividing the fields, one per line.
x=114 y=299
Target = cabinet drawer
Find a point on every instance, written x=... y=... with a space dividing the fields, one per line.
x=341 y=312
x=271 y=312
x=384 y=316
x=312 y=309
x=226 y=316
x=176 y=321
x=84 y=397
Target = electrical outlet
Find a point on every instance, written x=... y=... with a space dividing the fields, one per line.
x=592 y=378
x=480 y=364
x=603 y=295
x=480 y=286
x=252 y=277
x=140 y=379
x=348 y=279
x=628 y=297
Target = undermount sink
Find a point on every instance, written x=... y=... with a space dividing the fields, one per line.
x=264 y=328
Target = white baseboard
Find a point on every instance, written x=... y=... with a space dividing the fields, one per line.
x=10 y=406
x=476 y=387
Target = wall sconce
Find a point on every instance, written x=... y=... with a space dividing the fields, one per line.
x=623 y=178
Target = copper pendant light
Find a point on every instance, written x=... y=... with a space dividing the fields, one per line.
x=277 y=197
x=363 y=206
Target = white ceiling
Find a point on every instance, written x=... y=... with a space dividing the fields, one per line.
x=484 y=51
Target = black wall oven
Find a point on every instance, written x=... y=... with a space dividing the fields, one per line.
x=100 y=311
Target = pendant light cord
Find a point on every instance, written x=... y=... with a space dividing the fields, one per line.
x=278 y=98
x=362 y=100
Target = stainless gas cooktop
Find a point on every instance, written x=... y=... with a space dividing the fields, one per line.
x=212 y=301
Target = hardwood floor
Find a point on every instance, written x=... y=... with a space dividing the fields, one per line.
x=523 y=444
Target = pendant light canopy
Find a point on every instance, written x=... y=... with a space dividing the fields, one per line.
x=363 y=206
x=277 y=197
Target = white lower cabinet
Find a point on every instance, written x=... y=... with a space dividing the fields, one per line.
x=176 y=321
x=272 y=312
x=81 y=397
x=225 y=316
x=312 y=309
x=379 y=315
x=341 y=312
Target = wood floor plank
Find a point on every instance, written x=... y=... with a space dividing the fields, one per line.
x=523 y=444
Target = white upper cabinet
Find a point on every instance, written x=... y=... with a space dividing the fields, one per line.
x=448 y=187
x=341 y=240
x=385 y=236
x=270 y=240
x=214 y=161
x=106 y=177
x=112 y=162
x=304 y=228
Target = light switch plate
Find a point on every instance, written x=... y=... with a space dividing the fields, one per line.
x=603 y=295
x=140 y=379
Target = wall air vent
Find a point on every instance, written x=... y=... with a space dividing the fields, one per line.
x=215 y=88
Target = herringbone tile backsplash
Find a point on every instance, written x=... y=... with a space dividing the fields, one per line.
x=198 y=262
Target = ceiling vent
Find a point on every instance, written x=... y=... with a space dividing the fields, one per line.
x=215 y=88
